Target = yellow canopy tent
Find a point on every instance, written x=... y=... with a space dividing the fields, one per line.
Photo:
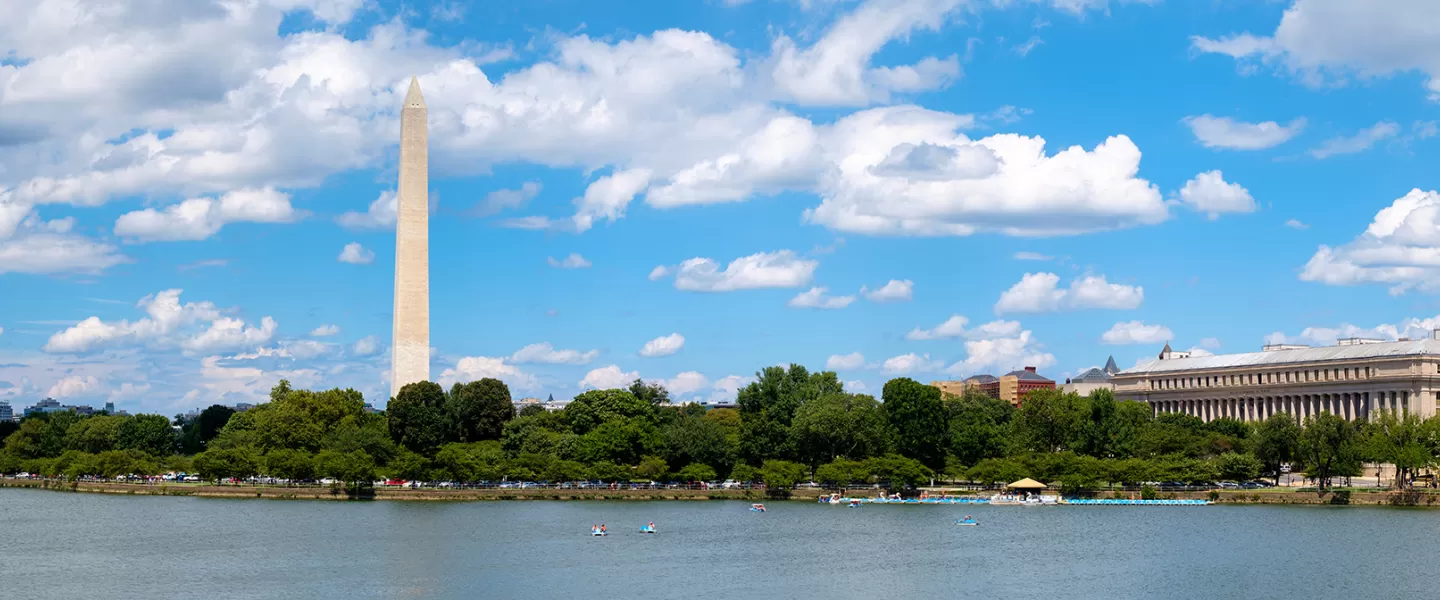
x=1026 y=484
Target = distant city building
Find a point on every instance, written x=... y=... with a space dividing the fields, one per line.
x=1092 y=379
x=6 y=414
x=950 y=388
x=1015 y=385
x=720 y=404
x=524 y=402
x=1353 y=379
x=110 y=408
x=368 y=409
x=243 y=406
x=80 y=409
x=48 y=405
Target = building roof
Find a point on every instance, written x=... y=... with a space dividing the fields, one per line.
x=1110 y=366
x=1092 y=375
x=1283 y=357
x=1028 y=375
x=982 y=379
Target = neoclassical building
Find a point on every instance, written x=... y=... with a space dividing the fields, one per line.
x=1354 y=378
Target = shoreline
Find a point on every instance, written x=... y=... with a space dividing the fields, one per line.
x=1408 y=498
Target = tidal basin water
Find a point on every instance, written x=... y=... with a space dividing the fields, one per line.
x=66 y=545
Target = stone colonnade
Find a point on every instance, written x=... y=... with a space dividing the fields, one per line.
x=1350 y=405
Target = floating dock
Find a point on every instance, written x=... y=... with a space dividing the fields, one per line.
x=982 y=500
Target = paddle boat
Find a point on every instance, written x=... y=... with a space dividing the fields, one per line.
x=968 y=520
x=757 y=508
x=855 y=503
x=598 y=532
x=648 y=528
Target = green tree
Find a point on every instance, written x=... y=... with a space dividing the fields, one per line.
x=294 y=465
x=218 y=464
x=842 y=472
x=693 y=439
x=417 y=415
x=1277 y=441
x=150 y=434
x=95 y=434
x=898 y=471
x=781 y=475
x=1328 y=446
x=7 y=428
x=480 y=409
x=609 y=472
x=198 y=432
x=745 y=473
x=483 y=461
x=1050 y=421
x=768 y=405
x=1239 y=467
x=852 y=426
x=653 y=394
x=652 y=468
x=590 y=409
x=917 y=416
x=979 y=427
x=356 y=468
x=1405 y=441
x=697 y=472
x=41 y=436
x=623 y=441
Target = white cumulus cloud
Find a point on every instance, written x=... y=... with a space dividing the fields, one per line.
x=845 y=362
x=543 y=352
x=1209 y=193
x=1040 y=292
x=906 y=364
x=573 y=261
x=782 y=269
x=472 y=368
x=355 y=254
x=817 y=297
x=896 y=290
x=664 y=345
x=1400 y=248
x=1136 y=332
x=200 y=218
x=1322 y=42
x=325 y=331
x=1227 y=133
x=365 y=346
x=606 y=378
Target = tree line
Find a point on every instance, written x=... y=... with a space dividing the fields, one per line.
x=790 y=425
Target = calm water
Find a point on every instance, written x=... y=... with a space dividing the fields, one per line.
x=58 y=545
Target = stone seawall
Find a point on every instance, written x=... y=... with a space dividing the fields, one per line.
x=1342 y=497
x=328 y=493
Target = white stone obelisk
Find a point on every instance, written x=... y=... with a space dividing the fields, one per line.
x=410 y=344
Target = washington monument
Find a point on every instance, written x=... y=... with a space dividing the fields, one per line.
x=410 y=344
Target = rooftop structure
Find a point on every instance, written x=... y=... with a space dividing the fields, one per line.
x=1097 y=378
x=1352 y=379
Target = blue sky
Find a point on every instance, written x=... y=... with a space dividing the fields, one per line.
x=193 y=195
